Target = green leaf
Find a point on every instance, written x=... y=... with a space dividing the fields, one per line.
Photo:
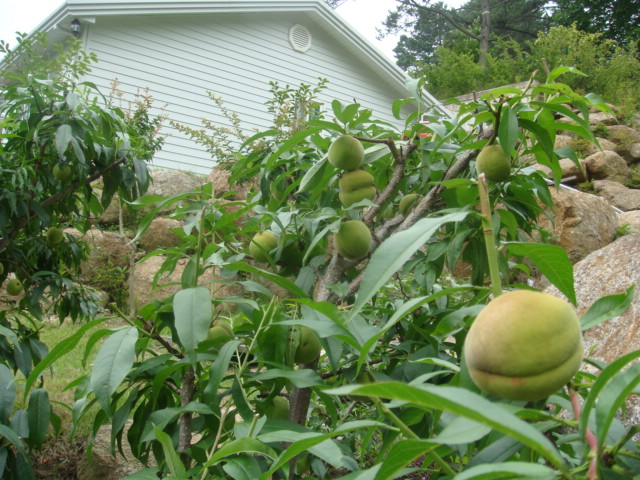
x=161 y=418
x=542 y=136
x=508 y=129
x=192 y=309
x=277 y=279
x=61 y=349
x=300 y=378
x=464 y=403
x=613 y=398
x=7 y=393
x=146 y=474
x=556 y=72
x=401 y=454
x=400 y=312
x=552 y=261
x=20 y=423
x=308 y=440
x=462 y=430
x=176 y=467
x=242 y=445
x=242 y=468
x=311 y=177
x=13 y=438
x=394 y=252
x=606 y=308
x=113 y=362
x=39 y=412
x=64 y=134
x=396 y=107
x=525 y=470
x=600 y=383
x=218 y=371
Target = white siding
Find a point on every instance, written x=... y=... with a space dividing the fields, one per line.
x=179 y=57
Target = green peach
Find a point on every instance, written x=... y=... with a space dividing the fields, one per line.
x=524 y=345
x=355 y=186
x=494 y=163
x=353 y=239
x=346 y=152
x=309 y=347
x=407 y=203
x=14 y=287
x=261 y=244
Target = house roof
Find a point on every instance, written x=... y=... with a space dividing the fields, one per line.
x=57 y=24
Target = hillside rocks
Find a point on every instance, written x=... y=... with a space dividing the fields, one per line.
x=160 y=234
x=106 y=249
x=630 y=220
x=611 y=270
x=582 y=222
x=624 y=198
x=607 y=165
x=627 y=141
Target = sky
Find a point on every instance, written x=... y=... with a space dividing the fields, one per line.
x=26 y=15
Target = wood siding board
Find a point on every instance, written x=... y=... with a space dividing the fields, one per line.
x=235 y=56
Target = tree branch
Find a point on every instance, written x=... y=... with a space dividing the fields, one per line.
x=447 y=15
x=56 y=198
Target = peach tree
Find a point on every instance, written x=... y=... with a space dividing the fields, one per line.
x=319 y=327
x=57 y=137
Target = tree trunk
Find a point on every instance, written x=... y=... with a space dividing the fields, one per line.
x=485 y=30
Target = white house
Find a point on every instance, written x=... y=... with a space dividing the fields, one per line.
x=234 y=48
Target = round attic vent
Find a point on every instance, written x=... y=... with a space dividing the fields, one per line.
x=300 y=38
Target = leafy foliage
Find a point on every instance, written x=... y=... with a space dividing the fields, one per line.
x=430 y=25
x=619 y=21
x=58 y=136
x=391 y=386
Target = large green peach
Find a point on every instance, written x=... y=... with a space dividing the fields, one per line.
x=355 y=186
x=407 y=203
x=353 y=239
x=346 y=152
x=494 y=163
x=309 y=347
x=524 y=345
x=261 y=244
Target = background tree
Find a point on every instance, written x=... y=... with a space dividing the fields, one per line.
x=430 y=25
x=334 y=3
x=619 y=20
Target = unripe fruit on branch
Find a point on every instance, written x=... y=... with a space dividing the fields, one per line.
x=309 y=347
x=353 y=239
x=14 y=287
x=524 y=345
x=279 y=408
x=346 y=152
x=494 y=163
x=356 y=186
x=261 y=244
x=407 y=203
x=54 y=235
x=220 y=332
x=62 y=173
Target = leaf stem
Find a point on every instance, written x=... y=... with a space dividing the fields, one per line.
x=592 y=474
x=489 y=239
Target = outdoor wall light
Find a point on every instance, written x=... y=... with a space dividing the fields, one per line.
x=75 y=27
